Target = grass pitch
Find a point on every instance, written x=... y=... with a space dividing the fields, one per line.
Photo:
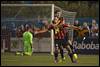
x=44 y=59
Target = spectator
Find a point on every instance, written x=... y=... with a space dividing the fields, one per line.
x=85 y=32
x=94 y=29
x=75 y=35
x=86 y=27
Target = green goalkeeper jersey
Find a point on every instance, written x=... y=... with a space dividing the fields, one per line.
x=27 y=37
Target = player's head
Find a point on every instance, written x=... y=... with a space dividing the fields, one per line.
x=58 y=13
x=55 y=20
x=28 y=28
x=61 y=20
x=58 y=21
x=22 y=27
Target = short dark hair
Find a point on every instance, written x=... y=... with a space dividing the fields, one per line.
x=27 y=27
x=57 y=11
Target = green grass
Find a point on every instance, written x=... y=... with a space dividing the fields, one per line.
x=38 y=59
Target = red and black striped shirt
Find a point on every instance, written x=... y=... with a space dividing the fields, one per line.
x=60 y=34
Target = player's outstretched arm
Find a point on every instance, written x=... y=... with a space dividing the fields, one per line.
x=74 y=27
x=41 y=31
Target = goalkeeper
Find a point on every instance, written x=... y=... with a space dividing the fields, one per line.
x=27 y=40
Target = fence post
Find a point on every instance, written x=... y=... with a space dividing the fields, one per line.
x=3 y=50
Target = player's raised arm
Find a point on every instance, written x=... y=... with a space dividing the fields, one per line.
x=41 y=31
x=75 y=27
x=72 y=26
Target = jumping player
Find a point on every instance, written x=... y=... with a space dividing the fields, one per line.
x=66 y=42
x=59 y=36
x=27 y=40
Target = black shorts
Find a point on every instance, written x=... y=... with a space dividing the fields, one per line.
x=60 y=42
